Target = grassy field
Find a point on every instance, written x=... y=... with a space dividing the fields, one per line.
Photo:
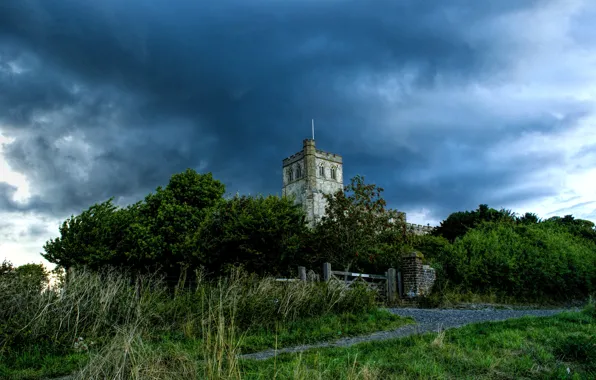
x=562 y=347
x=558 y=347
x=37 y=362
x=151 y=331
x=147 y=332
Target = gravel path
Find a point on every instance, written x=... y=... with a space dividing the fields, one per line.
x=426 y=320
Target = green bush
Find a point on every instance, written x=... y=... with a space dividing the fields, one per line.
x=525 y=261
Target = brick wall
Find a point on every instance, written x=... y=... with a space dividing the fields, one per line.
x=417 y=278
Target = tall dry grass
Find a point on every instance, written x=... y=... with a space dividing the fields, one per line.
x=126 y=318
x=88 y=305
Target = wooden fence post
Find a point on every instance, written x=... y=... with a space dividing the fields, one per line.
x=391 y=285
x=326 y=272
x=302 y=273
x=400 y=285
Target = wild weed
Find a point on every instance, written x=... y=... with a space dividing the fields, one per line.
x=125 y=319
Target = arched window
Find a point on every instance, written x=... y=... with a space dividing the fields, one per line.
x=290 y=175
x=322 y=171
x=333 y=172
x=298 y=171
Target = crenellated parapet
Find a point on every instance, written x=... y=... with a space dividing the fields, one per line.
x=308 y=175
x=419 y=229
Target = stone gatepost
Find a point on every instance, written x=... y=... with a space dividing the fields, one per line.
x=417 y=278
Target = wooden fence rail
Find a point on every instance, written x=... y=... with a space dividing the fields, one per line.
x=301 y=276
x=391 y=278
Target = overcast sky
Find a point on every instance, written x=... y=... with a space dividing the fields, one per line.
x=446 y=104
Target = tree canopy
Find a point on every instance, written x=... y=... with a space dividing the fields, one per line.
x=189 y=224
x=459 y=223
x=264 y=234
x=358 y=228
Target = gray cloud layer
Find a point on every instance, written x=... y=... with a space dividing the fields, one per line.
x=110 y=98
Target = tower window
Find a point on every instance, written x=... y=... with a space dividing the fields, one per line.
x=333 y=173
x=290 y=175
x=322 y=171
x=298 y=172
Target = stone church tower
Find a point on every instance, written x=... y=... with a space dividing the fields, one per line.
x=308 y=175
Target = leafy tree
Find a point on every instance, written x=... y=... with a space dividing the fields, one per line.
x=166 y=222
x=529 y=218
x=28 y=277
x=264 y=234
x=156 y=232
x=577 y=227
x=6 y=268
x=432 y=247
x=357 y=226
x=459 y=223
x=200 y=191
x=90 y=239
x=34 y=277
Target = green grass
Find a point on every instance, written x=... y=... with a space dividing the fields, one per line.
x=531 y=348
x=34 y=364
x=321 y=329
x=526 y=348
x=326 y=328
x=150 y=333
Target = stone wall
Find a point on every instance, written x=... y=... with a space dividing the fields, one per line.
x=295 y=184
x=429 y=276
x=309 y=186
x=417 y=278
x=325 y=184
x=419 y=229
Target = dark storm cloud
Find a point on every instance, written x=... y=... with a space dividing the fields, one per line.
x=110 y=98
x=7 y=203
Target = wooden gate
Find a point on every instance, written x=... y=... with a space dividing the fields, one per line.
x=385 y=284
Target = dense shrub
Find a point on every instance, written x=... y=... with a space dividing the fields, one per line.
x=527 y=261
x=263 y=234
x=459 y=223
x=432 y=247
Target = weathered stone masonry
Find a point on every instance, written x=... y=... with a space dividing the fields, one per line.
x=308 y=175
x=417 y=278
x=419 y=229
